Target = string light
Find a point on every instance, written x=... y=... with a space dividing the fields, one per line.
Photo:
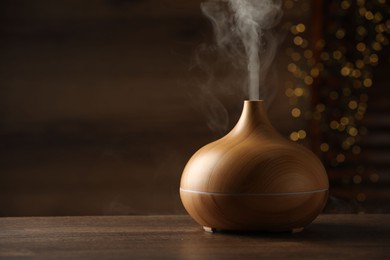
x=349 y=68
x=356 y=73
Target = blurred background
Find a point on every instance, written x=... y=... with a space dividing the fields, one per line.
x=102 y=104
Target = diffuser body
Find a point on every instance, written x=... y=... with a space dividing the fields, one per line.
x=254 y=179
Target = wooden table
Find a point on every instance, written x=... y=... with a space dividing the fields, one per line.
x=177 y=237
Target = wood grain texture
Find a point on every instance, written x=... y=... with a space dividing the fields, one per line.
x=178 y=237
x=284 y=183
x=270 y=213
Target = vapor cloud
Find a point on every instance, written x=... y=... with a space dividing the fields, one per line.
x=244 y=28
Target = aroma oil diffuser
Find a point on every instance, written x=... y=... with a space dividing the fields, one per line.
x=254 y=179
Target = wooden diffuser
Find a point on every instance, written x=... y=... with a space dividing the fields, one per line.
x=254 y=179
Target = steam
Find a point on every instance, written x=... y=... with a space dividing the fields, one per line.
x=243 y=29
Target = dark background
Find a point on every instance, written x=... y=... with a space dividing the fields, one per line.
x=99 y=111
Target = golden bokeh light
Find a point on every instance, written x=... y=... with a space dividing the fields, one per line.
x=352 y=104
x=345 y=71
x=369 y=15
x=359 y=64
x=298 y=92
x=324 y=56
x=334 y=125
x=374 y=58
x=324 y=147
x=340 y=33
x=292 y=67
x=356 y=149
x=361 y=46
x=308 y=80
x=298 y=40
x=352 y=131
x=367 y=83
x=340 y=158
x=337 y=55
x=294 y=136
x=302 y=134
x=300 y=27
x=314 y=72
x=344 y=120
x=295 y=112
x=345 y=4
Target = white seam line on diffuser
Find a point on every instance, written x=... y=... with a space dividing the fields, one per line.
x=253 y=194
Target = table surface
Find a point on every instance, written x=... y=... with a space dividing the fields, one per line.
x=175 y=237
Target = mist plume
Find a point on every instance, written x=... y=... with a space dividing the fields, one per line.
x=243 y=28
